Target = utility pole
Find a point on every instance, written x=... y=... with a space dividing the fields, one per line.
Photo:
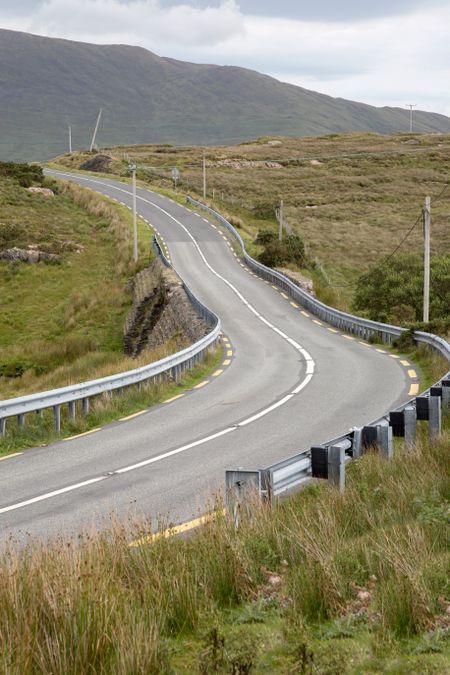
x=279 y=215
x=132 y=168
x=204 y=174
x=70 y=140
x=95 y=130
x=426 y=259
x=411 y=106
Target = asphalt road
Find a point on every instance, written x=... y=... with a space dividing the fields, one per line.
x=291 y=383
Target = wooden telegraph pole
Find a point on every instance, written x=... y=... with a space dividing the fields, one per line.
x=426 y=259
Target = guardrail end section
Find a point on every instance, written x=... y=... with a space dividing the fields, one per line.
x=242 y=488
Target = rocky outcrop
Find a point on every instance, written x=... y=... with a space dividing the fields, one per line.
x=45 y=192
x=298 y=279
x=161 y=310
x=30 y=255
x=100 y=163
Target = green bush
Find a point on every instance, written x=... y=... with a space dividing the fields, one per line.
x=277 y=253
x=393 y=290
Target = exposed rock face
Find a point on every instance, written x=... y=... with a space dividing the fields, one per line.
x=100 y=163
x=245 y=164
x=160 y=311
x=298 y=279
x=31 y=255
x=45 y=192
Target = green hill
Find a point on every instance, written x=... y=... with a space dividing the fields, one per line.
x=48 y=84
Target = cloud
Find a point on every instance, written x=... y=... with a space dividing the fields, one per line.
x=143 y=22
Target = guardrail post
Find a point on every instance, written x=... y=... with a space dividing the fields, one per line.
x=357 y=443
x=384 y=440
x=85 y=406
x=2 y=426
x=240 y=487
x=434 y=417
x=446 y=393
x=21 y=420
x=410 y=425
x=336 y=466
x=57 y=417
x=72 y=411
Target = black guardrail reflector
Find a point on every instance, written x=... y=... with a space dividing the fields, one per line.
x=445 y=383
x=436 y=391
x=319 y=461
x=369 y=436
x=422 y=408
x=397 y=422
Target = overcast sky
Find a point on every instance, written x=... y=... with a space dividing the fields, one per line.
x=383 y=52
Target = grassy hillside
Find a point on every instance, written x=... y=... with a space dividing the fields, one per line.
x=322 y=583
x=146 y=98
x=62 y=321
x=351 y=197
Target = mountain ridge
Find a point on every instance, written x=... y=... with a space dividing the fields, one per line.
x=47 y=84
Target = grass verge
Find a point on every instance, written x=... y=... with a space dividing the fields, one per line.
x=105 y=408
x=321 y=582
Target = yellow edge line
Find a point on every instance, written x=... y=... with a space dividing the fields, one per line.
x=364 y=344
x=230 y=352
x=217 y=373
x=14 y=454
x=332 y=330
x=86 y=433
x=130 y=417
x=317 y=322
x=177 y=529
x=174 y=398
x=394 y=356
x=412 y=374
x=304 y=313
x=405 y=363
x=286 y=297
x=347 y=337
x=202 y=384
x=413 y=390
x=381 y=351
x=294 y=305
x=226 y=362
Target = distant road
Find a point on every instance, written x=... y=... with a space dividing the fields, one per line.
x=291 y=383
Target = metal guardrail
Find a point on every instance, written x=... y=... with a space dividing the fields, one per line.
x=328 y=460
x=174 y=364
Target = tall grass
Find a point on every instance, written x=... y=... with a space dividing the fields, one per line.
x=377 y=554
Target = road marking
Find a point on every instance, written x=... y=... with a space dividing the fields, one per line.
x=217 y=373
x=412 y=374
x=405 y=363
x=413 y=390
x=14 y=454
x=174 y=398
x=54 y=493
x=130 y=417
x=230 y=352
x=275 y=287
x=332 y=330
x=319 y=323
x=304 y=313
x=202 y=384
x=86 y=433
x=286 y=297
x=226 y=362
x=364 y=344
x=347 y=337
x=253 y=418
x=292 y=303
x=394 y=356
x=177 y=529
x=381 y=351
x=177 y=451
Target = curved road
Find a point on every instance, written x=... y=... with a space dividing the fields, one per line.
x=292 y=383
